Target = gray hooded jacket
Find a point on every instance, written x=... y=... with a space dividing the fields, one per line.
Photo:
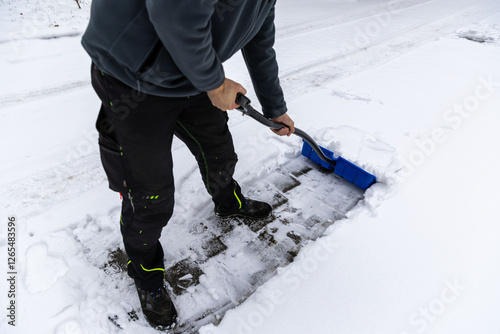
x=176 y=48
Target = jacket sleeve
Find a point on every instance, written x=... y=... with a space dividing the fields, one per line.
x=260 y=59
x=185 y=30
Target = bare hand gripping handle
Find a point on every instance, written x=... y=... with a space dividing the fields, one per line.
x=248 y=110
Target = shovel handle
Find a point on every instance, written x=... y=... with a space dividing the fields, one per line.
x=248 y=110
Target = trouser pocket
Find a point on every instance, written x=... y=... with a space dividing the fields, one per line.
x=111 y=161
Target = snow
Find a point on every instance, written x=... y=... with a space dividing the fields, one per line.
x=482 y=33
x=409 y=90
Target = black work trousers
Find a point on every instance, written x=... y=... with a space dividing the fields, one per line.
x=135 y=139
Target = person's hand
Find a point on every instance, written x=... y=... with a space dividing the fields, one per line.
x=285 y=120
x=224 y=97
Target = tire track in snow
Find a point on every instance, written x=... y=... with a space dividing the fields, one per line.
x=42 y=36
x=32 y=95
x=294 y=30
x=306 y=77
x=35 y=194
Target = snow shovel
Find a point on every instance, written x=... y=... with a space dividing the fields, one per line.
x=320 y=155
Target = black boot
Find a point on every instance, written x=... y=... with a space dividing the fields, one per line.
x=158 y=308
x=251 y=209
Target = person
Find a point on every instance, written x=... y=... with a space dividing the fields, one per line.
x=157 y=68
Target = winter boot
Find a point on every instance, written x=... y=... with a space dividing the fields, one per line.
x=250 y=209
x=158 y=308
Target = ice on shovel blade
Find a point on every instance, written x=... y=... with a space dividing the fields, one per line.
x=343 y=168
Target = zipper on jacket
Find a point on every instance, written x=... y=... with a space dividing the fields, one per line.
x=148 y=63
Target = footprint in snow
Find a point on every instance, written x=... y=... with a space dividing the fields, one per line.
x=42 y=269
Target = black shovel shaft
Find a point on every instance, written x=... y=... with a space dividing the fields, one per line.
x=248 y=110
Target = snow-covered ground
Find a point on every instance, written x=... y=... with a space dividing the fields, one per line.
x=408 y=89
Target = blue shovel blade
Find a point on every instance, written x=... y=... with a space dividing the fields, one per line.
x=343 y=168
